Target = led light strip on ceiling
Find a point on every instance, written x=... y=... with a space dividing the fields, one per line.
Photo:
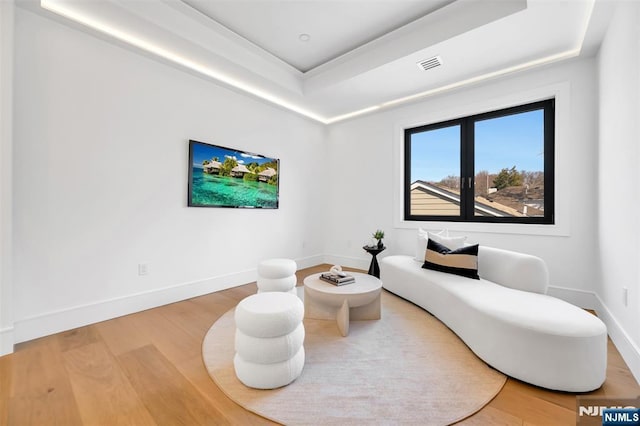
x=67 y=11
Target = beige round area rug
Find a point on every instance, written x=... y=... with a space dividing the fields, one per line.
x=406 y=368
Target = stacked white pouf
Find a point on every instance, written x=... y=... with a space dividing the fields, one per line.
x=269 y=338
x=277 y=275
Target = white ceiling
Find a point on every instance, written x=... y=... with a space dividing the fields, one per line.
x=335 y=27
x=361 y=55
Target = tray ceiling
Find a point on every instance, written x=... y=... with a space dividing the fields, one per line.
x=360 y=55
x=333 y=27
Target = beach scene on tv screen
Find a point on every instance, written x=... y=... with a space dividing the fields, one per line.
x=222 y=177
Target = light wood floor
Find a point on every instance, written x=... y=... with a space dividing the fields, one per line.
x=146 y=368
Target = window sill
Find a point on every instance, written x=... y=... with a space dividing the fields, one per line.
x=557 y=230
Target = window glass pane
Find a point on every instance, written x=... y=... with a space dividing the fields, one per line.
x=435 y=172
x=509 y=165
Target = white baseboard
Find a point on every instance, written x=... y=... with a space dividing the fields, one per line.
x=78 y=316
x=351 y=262
x=582 y=298
x=6 y=341
x=589 y=300
x=628 y=349
x=308 y=262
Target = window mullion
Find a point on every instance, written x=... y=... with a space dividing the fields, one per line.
x=467 y=169
x=407 y=172
x=549 y=161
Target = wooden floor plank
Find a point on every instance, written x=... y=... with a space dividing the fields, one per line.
x=103 y=393
x=195 y=371
x=614 y=359
x=519 y=403
x=41 y=393
x=77 y=337
x=6 y=367
x=562 y=399
x=623 y=386
x=241 y=292
x=122 y=334
x=215 y=304
x=168 y=396
x=190 y=317
x=167 y=337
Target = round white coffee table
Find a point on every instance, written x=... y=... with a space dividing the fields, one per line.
x=356 y=301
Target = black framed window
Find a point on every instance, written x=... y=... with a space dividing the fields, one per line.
x=492 y=167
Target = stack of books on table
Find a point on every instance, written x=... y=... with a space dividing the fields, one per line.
x=337 y=279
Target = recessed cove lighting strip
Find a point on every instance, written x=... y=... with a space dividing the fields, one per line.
x=68 y=12
x=353 y=114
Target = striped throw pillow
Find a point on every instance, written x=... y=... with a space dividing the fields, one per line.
x=462 y=261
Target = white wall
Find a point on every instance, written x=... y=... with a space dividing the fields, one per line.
x=6 y=177
x=618 y=185
x=364 y=154
x=100 y=182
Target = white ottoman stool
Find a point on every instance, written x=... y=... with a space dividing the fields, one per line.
x=268 y=350
x=269 y=376
x=277 y=275
x=269 y=340
x=276 y=284
x=269 y=314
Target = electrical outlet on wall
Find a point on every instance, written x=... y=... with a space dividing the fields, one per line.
x=625 y=296
x=143 y=268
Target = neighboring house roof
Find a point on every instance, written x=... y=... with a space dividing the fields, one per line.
x=482 y=205
x=267 y=172
x=213 y=165
x=518 y=196
x=501 y=208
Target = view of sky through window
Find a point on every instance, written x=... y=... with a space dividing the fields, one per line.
x=503 y=142
x=515 y=140
x=435 y=154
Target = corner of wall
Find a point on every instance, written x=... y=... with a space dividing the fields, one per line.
x=6 y=176
x=629 y=351
x=618 y=64
x=6 y=341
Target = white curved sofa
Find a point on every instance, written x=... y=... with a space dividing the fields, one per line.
x=506 y=319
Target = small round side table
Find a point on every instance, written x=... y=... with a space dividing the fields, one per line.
x=374 y=268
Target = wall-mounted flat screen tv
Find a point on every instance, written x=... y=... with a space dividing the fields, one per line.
x=226 y=177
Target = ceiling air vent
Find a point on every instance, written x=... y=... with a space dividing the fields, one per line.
x=427 y=64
